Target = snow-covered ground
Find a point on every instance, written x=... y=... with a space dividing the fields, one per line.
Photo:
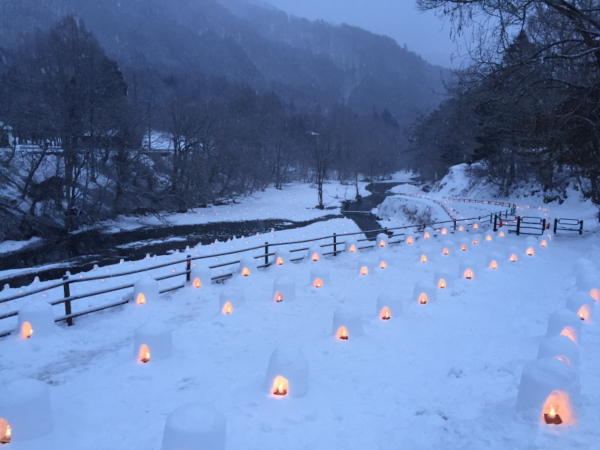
x=441 y=375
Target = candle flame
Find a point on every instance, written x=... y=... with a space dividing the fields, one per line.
x=385 y=313
x=278 y=297
x=569 y=332
x=227 y=308
x=26 y=330
x=342 y=334
x=245 y=272
x=141 y=299
x=423 y=298
x=584 y=313
x=197 y=283
x=318 y=283
x=493 y=265
x=423 y=259
x=5 y=432
x=279 y=261
x=442 y=283
x=383 y=265
x=144 y=354
x=444 y=232
x=280 y=386
x=315 y=257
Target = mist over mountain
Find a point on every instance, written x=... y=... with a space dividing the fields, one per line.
x=309 y=63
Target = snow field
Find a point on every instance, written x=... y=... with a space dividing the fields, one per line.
x=445 y=374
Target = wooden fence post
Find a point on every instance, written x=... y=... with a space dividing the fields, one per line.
x=495 y=222
x=334 y=244
x=555 y=226
x=188 y=268
x=266 y=253
x=518 y=225
x=580 y=227
x=67 y=294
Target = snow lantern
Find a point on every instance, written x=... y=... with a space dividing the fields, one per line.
x=423 y=258
x=444 y=231
x=587 y=279
x=493 y=261
x=279 y=259
x=36 y=318
x=466 y=269
x=25 y=411
x=383 y=264
x=543 y=242
x=442 y=279
x=194 y=427
x=284 y=290
x=428 y=233
x=447 y=249
x=423 y=295
x=548 y=393
x=229 y=300
x=531 y=245
x=477 y=239
x=246 y=267
x=351 y=246
x=461 y=228
x=464 y=245
x=513 y=256
x=319 y=278
x=200 y=278
x=287 y=373
x=388 y=306
x=382 y=240
x=315 y=254
x=565 y=323
x=500 y=234
x=561 y=348
x=363 y=267
x=145 y=290
x=152 y=343
x=580 y=305
x=475 y=226
x=346 y=325
x=488 y=238
x=410 y=239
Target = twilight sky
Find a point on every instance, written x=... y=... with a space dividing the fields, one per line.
x=423 y=33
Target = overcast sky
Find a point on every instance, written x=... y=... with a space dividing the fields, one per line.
x=423 y=33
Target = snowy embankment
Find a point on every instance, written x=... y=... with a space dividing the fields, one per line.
x=445 y=374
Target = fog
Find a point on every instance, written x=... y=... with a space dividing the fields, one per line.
x=423 y=33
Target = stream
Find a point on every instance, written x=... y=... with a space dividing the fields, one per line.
x=80 y=252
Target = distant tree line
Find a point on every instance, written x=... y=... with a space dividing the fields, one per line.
x=59 y=89
x=528 y=108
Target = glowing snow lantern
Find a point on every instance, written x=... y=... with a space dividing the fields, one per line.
x=25 y=412
x=383 y=264
x=548 y=393
x=467 y=270
x=543 y=243
x=199 y=278
x=476 y=239
x=35 y=319
x=279 y=259
x=363 y=268
x=565 y=323
x=351 y=247
x=319 y=278
x=428 y=233
x=287 y=373
x=489 y=237
x=228 y=301
x=444 y=231
x=464 y=246
x=423 y=295
x=284 y=290
x=531 y=244
x=346 y=325
x=447 y=249
x=493 y=262
x=194 y=426
x=146 y=290
x=246 y=267
x=410 y=239
x=442 y=279
x=423 y=259
x=561 y=348
x=587 y=279
x=581 y=306
x=382 y=240
x=314 y=254
x=476 y=226
x=513 y=256
x=461 y=228
x=501 y=234
x=152 y=343
x=388 y=306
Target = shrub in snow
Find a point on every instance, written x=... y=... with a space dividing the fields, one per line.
x=560 y=348
x=194 y=427
x=200 y=278
x=388 y=306
x=315 y=254
x=565 y=323
x=319 y=278
x=35 y=319
x=346 y=326
x=152 y=343
x=287 y=373
x=422 y=294
x=442 y=279
x=548 y=393
x=26 y=411
x=284 y=290
x=145 y=290
x=351 y=246
x=581 y=305
x=229 y=300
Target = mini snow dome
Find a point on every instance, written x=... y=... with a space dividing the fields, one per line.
x=246 y=267
x=548 y=393
x=423 y=295
x=229 y=300
x=466 y=269
x=194 y=427
x=151 y=343
x=464 y=245
x=319 y=278
x=565 y=323
x=580 y=304
x=363 y=267
x=442 y=279
x=25 y=411
x=351 y=246
x=199 y=278
x=561 y=348
x=382 y=240
x=530 y=246
x=494 y=260
x=500 y=234
x=346 y=325
x=447 y=249
x=284 y=290
x=388 y=306
x=314 y=254
x=145 y=290
x=36 y=318
x=287 y=373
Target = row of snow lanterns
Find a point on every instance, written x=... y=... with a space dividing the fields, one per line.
x=552 y=381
